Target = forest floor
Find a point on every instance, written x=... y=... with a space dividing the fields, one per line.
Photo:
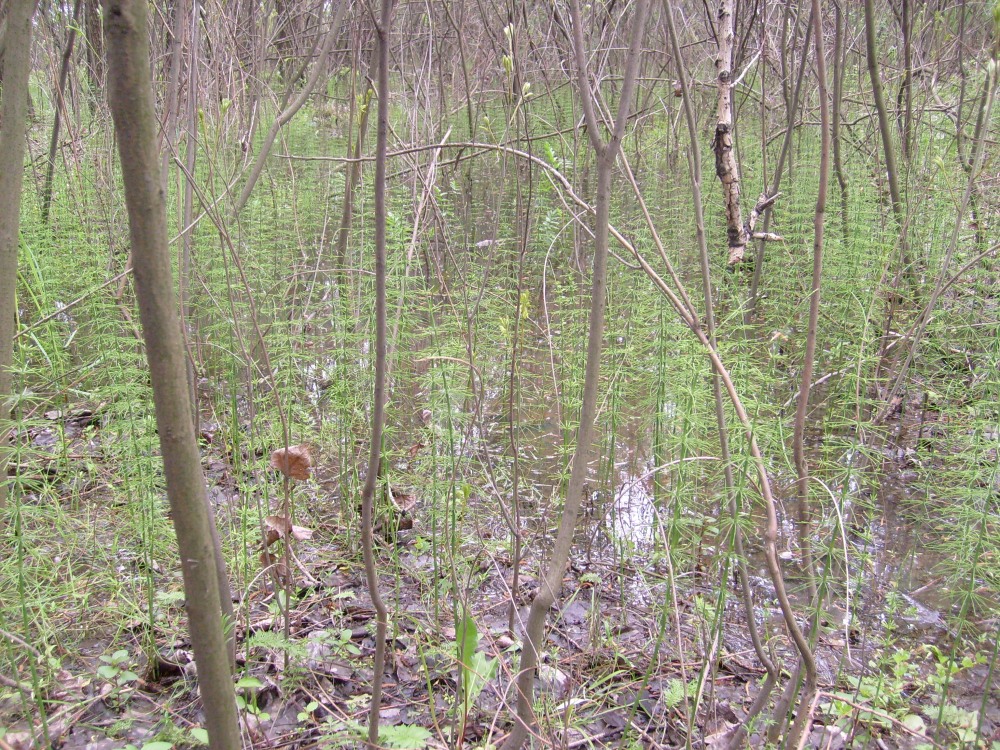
x=622 y=671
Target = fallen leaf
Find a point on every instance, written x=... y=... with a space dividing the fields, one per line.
x=280 y=569
x=294 y=461
x=281 y=527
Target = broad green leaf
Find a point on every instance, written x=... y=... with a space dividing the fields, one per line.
x=200 y=735
x=405 y=737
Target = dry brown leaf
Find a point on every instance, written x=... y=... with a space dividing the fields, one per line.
x=281 y=527
x=280 y=569
x=294 y=461
x=271 y=536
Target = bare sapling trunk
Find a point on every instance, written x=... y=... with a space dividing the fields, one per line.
x=523 y=209
x=885 y=131
x=986 y=111
x=184 y=288
x=736 y=740
x=289 y=111
x=839 y=65
x=378 y=402
x=15 y=61
x=783 y=158
x=904 y=102
x=60 y=106
x=187 y=216
x=353 y=176
x=130 y=96
x=607 y=154
x=802 y=718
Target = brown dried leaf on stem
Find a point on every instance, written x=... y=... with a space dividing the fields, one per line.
x=294 y=461
x=279 y=566
x=281 y=527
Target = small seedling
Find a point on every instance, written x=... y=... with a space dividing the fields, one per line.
x=248 y=702
x=113 y=669
x=306 y=714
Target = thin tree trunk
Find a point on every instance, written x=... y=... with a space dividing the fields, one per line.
x=96 y=69
x=523 y=210
x=287 y=113
x=352 y=178
x=779 y=170
x=839 y=65
x=726 y=166
x=59 y=109
x=184 y=287
x=16 y=65
x=986 y=105
x=885 y=130
x=378 y=403
x=190 y=164
x=906 y=87
x=803 y=715
x=965 y=158
x=607 y=154
x=720 y=412
x=130 y=96
x=175 y=59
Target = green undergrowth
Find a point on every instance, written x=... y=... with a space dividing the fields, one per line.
x=282 y=349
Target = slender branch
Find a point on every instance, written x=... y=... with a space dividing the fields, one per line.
x=288 y=113
x=802 y=719
x=378 y=402
x=720 y=414
x=607 y=154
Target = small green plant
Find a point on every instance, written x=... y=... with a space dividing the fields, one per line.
x=246 y=698
x=404 y=737
x=114 y=668
x=340 y=642
x=120 y=727
x=400 y=737
x=306 y=714
x=674 y=694
x=946 y=668
x=961 y=722
x=475 y=668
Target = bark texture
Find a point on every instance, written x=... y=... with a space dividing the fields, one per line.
x=130 y=96
x=16 y=59
x=726 y=166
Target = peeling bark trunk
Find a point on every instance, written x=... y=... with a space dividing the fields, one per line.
x=726 y=167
